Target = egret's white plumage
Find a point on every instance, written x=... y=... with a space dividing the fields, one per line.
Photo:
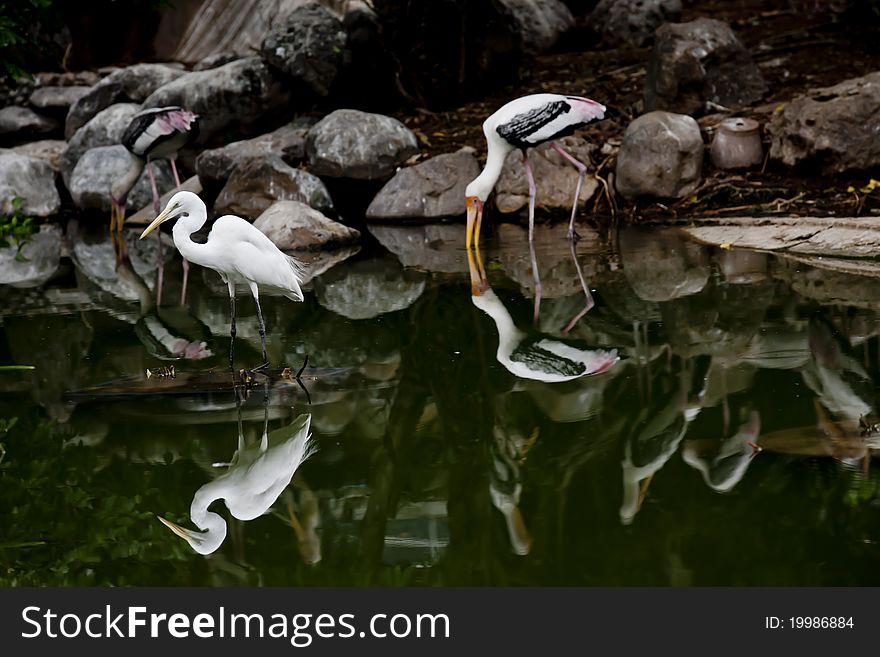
x=235 y=249
x=256 y=477
x=524 y=123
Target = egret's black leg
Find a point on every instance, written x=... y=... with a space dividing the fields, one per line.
x=232 y=325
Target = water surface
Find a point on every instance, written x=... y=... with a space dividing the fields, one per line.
x=730 y=444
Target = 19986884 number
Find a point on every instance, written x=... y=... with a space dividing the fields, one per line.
x=820 y=622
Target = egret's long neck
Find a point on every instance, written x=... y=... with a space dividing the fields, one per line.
x=213 y=525
x=121 y=187
x=183 y=228
x=483 y=184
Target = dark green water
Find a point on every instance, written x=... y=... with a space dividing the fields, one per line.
x=436 y=465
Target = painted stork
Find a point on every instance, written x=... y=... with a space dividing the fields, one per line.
x=152 y=134
x=524 y=123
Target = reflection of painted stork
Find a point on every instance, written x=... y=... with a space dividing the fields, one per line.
x=537 y=357
x=152 y=134
x=524 y=123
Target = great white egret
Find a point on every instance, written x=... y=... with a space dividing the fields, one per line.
x=232 y=247
x=524 y=123
x=256 y=477
x=152 y=134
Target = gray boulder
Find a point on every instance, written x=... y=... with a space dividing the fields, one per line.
x=555 y=178
x=98 y=168
x=353 y=144
x=661 y=155
x=19 y=124
x=429 y=190
x=56 y=98
x=104 y=129
x=819 y=127
x=239 y=97
x=214 y=166
x=48 y=150
x=292 y=225
x=308 y=46
x=257 y=184
x=631 y=22
x=540 y=23
x=42 y=253
x=698 y=62
x=133 y=83
x=29 y=179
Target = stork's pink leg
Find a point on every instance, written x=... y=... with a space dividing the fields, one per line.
x=160 y=271
x=185 y=261
x=589 y=302
x=174 y=171
x=582 y=172
x=532 y=193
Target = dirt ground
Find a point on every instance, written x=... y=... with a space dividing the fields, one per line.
x=798 y=44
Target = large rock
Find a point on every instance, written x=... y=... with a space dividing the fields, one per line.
x=42 y=254
x=698 y=62
x=99 y=167
x=429 y=190
x=257 y=184
x=555 y=178
x=292 y=225
x=104 y=129
x=830 y=126
x=540 y=23
x=48 y=150
x=631 y=22
x=56 y=98
x=308 y=46
x=661 y=155
x=354 y=144
x=133 y=83
x=18 y=124
x=29 y=179
x=239 y=98
x=214 y=166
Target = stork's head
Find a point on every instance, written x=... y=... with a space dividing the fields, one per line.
x=474 y=206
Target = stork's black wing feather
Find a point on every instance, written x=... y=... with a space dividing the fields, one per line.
x=139 y=123
x=538 y=359
x=518 y=129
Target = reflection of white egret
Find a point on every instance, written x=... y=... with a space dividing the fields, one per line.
x=232 y=247
x=255 y=479
x=725 y=470
x=536 y=357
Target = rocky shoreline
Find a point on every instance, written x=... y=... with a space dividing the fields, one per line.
x=280 y=145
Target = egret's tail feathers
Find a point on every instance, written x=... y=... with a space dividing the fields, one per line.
x=299 y=273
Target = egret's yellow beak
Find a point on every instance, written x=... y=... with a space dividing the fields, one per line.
x=185 y=534
x=164 y=216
